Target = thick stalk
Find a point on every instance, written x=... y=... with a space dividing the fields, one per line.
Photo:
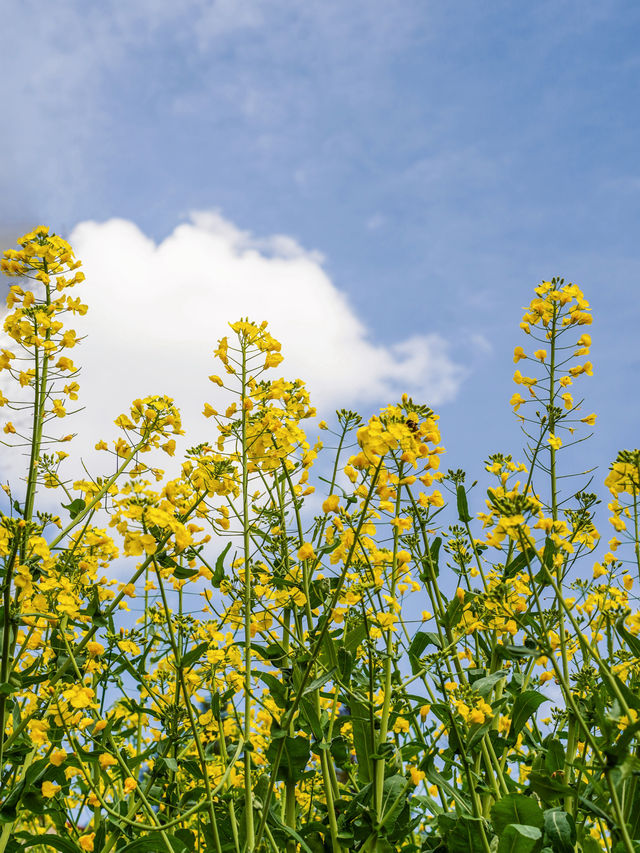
x=246 y=543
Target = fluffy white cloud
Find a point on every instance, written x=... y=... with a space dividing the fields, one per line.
x=156 y=312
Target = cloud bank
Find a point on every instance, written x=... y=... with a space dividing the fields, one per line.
x=156 y=312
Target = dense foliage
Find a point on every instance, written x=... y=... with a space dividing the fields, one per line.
x=318 y=662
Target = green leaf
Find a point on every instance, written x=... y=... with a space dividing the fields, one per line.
x=354 y=636
x=295 y=757
x=519 y=838
x=518 y=809
x=485 y=685
x=57 y=842
x=630 y=639
x=554 y=759
x=560 y=830
x=434 y=552
x=279 y=692
x=466 y=836
x=181 y=573
x=274 y=653
x=516 y=652
x=452 y=614
x=75 y=507
x=519 y=563
x=153 y=844
x=310 y=715
x=525 y=705
x=463 y=506
x=547 y=788
x=590 y=845
x=361 y=727
x=218 y=575
x=318 y=682
x=420 y=641
x=195 y=654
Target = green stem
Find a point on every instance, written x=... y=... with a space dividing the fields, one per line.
x=248 y=781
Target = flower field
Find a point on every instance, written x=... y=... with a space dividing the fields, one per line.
x=309 y=644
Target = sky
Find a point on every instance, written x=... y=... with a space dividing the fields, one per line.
x=385 y=183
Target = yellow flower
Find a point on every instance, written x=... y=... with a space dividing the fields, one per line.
x=273 y=359
x=65 y=363
x=130 y=785
x=50 y=789
x=555 y=441
x=331 y=504
x=590 y=419
x=58 y=409
x=518 y=354
x=94 y=648
x=79 y=696
x=38 y=731
x=57 y=757
x=386 y=621
x=86 y=841
x=516 y=401
x=106 y=760
x=306 y=552
x=540 y=354
x=416 y=775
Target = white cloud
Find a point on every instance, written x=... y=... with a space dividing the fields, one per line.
x=156 y=312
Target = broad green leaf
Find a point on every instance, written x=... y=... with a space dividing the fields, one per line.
x=295 y=757
x=485 y=685
x=279 y=692
x=361 y=727
x=525 y=705
x=547 y=788
x=154 y=844
x=466 y=836
x=516 y=808
x=310 y=715
x=630 y=639
x=560 y=830
x=354 y=636
x=56 y=842
x=520 y=838
x=554 y=758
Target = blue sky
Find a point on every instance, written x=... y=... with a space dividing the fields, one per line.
x=442 y=157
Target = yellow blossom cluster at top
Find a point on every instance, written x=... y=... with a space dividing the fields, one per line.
x=556 y=308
